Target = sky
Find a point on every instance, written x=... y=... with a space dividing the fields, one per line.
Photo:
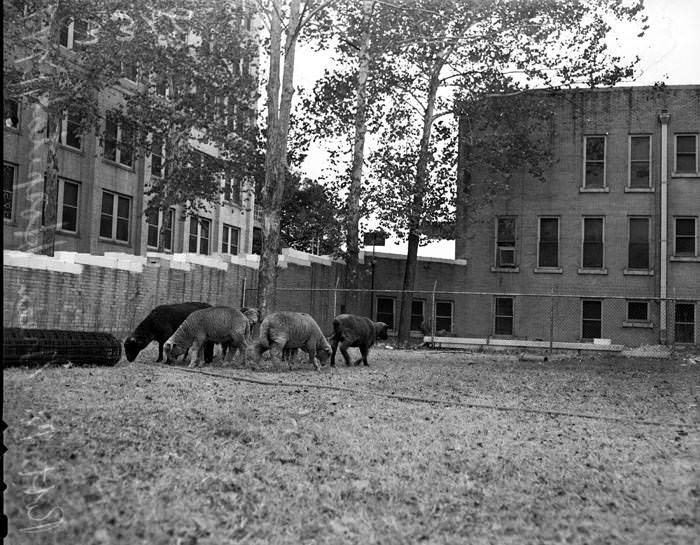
x=668 y=52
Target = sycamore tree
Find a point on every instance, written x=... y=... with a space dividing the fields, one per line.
x=183 y=73
x=284 y=21
x=440 y=51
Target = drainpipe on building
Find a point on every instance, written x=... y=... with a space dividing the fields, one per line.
x=664 y=118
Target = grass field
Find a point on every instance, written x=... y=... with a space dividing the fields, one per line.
x=584 y=451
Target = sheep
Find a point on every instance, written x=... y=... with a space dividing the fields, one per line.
x=159 y=325
x=216 y=324
x=283 y=330
x=352 y=330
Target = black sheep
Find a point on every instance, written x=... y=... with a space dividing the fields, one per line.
x=352 y=330
x=159 y=325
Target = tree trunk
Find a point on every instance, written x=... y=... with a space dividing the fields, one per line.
x=48 y=242
x=278 y=117
x=358 y=158
x=419 y=188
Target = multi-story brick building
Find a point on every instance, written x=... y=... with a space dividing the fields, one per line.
x=615 y=226
x=101 y=190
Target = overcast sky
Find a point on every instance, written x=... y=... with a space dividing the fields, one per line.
x=668 y=52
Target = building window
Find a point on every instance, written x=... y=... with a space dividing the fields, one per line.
x=155 y=222
x=9 y=172
x=548 y=244
x=593 y=248
x=115 y=216
x=257 y=241
x=232 y=191
x=505 y=242
x=637 y=311
x=686 y=153
x=686 y=237
x=71 y=131
x=385 y=311
x=229 y=240
x=591 y=323
x=119 y=142
x=640 y=162
x=684 y=322
x=10 y=111
x=443 y=316
x=638 y=252
x=594 y=159
x=503 y=316
x=157 y=154
x=417 y=315
x=67 y=217
x=199 y=235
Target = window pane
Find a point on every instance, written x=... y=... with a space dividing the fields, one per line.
x=685 y=144
x=685 y=323
x=591 y=310
x=257 y=241
x=591 y=319
x=639 y=230
x=416 y=315
x=69 y=219
x=73 y=132
x=122 y=230
x=106 y=226
x=549 y=254
x=70 y=194
x=168 y=232
x=443 y=316
x=549 y=229
x=123 y=207
x=204 y=237
x=504 y=306
x=639 y=148
x=685 y=226
x=593 y=229
x=685 y=163
x=224 y=240
x=592 y=243
x=126 y=145
x=506 y=231
x=235 y=235
x=595 y=148
x=594 y=175
x=637 y=311
x=639 y=243
x=110 y=138
x=107 y=203
x=503 y=326
x=385 y=311
x=639 y=175
x=152 y=235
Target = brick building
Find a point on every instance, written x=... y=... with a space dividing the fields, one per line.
x=610 y=238
x=101 y=201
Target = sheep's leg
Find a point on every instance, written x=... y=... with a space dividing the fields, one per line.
x=160 y=351
x=344 y=351
x=196 y=345
x=334 y=348
x=311 y=350
x=276 y=353
x=364 y=351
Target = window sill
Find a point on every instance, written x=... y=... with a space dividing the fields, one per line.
x=155 y=249
x=592 y=271
x=594 y=190
x=685 y=259
x=639 y=190
x=66 y=147
x=548 y=270
x=73 y=234
x=644 y=325
x=685 y=175
x=112 y=241
x=118 y=165
x=505 y=269
x=638 y=272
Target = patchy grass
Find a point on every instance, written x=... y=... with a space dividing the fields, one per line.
x=149 y=454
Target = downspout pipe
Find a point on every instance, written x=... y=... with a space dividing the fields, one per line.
x=664 y=118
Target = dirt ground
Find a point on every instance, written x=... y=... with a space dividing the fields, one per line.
x=421 y=447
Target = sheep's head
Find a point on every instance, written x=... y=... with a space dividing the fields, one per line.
x=323 y=354
x=381 y=330
x=132 y=347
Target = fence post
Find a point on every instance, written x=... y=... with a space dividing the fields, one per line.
x=335 y=297
x=243 y=292
x=551 y=321
x=432 y=318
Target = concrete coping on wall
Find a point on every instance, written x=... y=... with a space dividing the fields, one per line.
x=465 y=342
x=111 y=260
x=290 y=255
x=28 y=260
x=178 y=261
x=402 y=257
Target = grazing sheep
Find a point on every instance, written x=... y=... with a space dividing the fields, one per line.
x=159 y=325
x=352 y=330
x=282 y=331
x=223 y=325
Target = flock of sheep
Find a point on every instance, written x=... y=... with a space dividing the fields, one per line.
x=196 y=327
